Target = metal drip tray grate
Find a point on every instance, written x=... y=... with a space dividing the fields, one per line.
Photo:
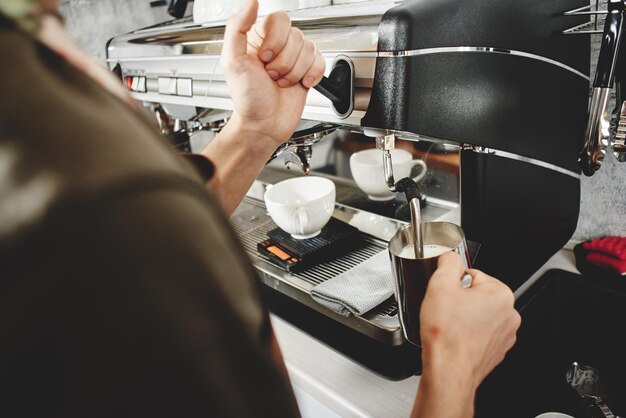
x=252 y=223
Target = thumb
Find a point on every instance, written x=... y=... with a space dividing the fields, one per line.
x=235 y=41
x=449 y=269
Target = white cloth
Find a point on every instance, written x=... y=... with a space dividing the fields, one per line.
x=359 y=289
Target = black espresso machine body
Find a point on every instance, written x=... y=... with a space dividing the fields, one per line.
x=497 y=79
x=501 y=78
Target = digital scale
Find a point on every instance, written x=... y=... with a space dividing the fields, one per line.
x=294 y=255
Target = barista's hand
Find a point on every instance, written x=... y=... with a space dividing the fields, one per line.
x=269 y=68
x=465 y=333
x=476 y=325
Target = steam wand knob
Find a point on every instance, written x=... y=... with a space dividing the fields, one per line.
x=413 y=195
x=409 y=187
x=338 y=87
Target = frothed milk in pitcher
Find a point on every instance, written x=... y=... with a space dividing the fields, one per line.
x=430 y=250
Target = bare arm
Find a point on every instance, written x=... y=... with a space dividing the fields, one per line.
x=465 y=334
x=238 y=156
x=269 y=67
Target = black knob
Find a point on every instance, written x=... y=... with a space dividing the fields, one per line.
x=338 y=87
x=177 y=8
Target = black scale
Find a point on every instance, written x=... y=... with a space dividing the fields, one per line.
x=294 y=255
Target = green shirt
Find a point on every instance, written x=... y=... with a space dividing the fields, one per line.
x=123 y=290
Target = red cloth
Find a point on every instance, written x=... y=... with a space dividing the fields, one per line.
x=607 y=252
x=612 y=246
x=604 y=260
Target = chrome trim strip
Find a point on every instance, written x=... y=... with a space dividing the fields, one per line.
x=193 y=57
x=528 y=160
x=166 y=58
x=444 y=50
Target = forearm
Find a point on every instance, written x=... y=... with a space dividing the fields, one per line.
x=446 y=390
x=238 y=155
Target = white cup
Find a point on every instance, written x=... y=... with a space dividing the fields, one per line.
x=367 y=170
x=553 y=415
x=301 y=206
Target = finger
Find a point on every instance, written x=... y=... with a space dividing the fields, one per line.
x=303 y=63
x=481 y=277
x=449 y=270
x=273 y=34
x=315 y=72
x=500 y=292
x=254 y=40
x=510 y=331
x=517 y=322
x=235 y=39
x=287 y=58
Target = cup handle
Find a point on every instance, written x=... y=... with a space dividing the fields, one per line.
x=422 y=173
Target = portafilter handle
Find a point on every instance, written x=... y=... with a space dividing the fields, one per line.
x=598 y=130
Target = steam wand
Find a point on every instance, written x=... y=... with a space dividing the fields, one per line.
x=409 y=187
x=386 y=143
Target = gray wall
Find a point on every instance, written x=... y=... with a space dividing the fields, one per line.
x=93 y=22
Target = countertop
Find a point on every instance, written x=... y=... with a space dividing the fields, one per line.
x=329 y=384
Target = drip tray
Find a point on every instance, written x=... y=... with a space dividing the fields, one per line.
x=252 y=224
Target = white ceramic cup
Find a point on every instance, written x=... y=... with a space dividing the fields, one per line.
x=301 y=206
x=367 y=170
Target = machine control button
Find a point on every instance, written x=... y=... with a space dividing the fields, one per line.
x=141 y=84
x=133 y=84
x=164 y=84
x=172 y=86
x=167 y=85
x=184 y=87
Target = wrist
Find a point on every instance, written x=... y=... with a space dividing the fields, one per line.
x=245 y=134
x=449 y=366
x=446 y=389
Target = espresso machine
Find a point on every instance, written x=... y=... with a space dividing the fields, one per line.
x=504 y=82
